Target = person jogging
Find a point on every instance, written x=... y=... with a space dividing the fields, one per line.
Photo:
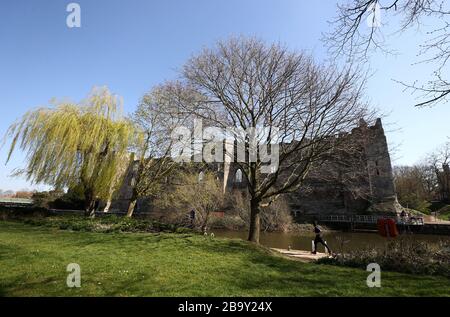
x=319 y=238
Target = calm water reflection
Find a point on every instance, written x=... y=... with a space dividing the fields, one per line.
x=302 y=241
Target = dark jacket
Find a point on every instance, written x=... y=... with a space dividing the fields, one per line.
x=317 y=230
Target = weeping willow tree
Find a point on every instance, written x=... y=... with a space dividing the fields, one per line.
x=69 y=144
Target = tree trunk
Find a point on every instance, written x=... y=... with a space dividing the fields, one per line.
x=131 y=207
x=89 y=204
x=90 y=208
x=92 y=213
x=108 y=205
x=204 y=226
x=255 y=222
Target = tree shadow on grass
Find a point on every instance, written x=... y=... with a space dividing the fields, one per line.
x=21 y=284
x=275 y=276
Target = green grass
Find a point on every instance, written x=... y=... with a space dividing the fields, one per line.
x=33 y=262
x=444 y=213
x=104 y=224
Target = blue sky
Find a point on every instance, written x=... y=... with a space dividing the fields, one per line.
x=132 y=45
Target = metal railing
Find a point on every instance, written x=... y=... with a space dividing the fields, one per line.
x=15 y=202
x=369 y=219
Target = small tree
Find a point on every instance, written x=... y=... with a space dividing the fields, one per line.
x=46 y=199
x=70 y=144
x=416 y=186
x=440 y=163
x=274 y=217
x=204 y=194
x=154 y=123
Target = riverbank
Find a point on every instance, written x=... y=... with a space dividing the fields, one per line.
x=34 y=261
x=76 y=221
x=110 y=222
x=298 y=238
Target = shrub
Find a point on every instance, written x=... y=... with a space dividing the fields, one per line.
x=444 y=212
x=106 y=224
x=404 y=254
x=228 y=222
x=46 y=199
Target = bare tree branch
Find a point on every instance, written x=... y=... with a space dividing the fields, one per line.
x=352 y=38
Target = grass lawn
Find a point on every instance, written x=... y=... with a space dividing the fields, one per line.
x=33 y=262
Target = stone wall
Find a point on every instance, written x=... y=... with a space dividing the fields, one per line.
x=346 y=183
x=444 y=183
x=343 y=184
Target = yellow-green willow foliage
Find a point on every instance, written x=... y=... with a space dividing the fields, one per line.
x=69 y=144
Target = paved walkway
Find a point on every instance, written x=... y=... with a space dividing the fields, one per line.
x=301 y=255
x=433 y=220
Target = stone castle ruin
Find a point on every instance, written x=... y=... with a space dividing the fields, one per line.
x=444 y=182
x=360 y=184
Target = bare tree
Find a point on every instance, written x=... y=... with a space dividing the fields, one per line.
x=204 y=195
x=285 y=97
x=357 y=31
x=415 y=185
x=152 y=164
x=440 y=162
x=276 y=217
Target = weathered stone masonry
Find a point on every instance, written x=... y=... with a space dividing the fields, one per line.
x=371 y=191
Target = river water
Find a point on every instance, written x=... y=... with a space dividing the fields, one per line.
x=339 y=241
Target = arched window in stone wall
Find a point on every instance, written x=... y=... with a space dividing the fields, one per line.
x=201 y=176
x=238 y=176
x=377 y=169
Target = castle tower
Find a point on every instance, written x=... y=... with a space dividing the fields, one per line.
x=379 y=169
x=444 y=182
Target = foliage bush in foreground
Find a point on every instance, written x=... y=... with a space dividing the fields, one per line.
x=444 y=213
x=106 y=224
x=403 y=254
